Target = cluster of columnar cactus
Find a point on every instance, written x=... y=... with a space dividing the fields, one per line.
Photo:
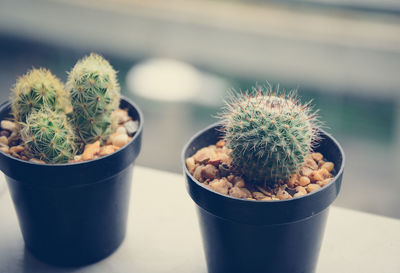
x=95 y=94
x=270 y=133
x=56 y=122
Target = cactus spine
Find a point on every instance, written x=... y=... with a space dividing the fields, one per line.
x=48 y=136
x=95 y=94
x=269 y=133
x=36 y=89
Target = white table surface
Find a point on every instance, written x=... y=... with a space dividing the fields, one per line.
x=163 y=235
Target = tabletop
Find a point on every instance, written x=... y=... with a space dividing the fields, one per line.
x=163 y=235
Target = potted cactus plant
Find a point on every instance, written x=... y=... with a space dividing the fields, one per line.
x=68 y=158
x=263 y=179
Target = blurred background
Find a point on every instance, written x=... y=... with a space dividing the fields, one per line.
x=178 y=58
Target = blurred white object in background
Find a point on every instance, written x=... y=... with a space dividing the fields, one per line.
x=172 y=80
x=164 y=79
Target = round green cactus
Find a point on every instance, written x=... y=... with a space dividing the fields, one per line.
x=269 y=133
x=36 y=89
x=48 y=136
x=95 y=94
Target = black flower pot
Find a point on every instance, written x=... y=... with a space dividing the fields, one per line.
x=73 y=214
x=262 y=236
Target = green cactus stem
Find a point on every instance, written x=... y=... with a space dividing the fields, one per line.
x=269 y=133
x=48 y=136
x=36 y=89
x=95 y=94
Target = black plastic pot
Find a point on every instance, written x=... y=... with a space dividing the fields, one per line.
x=262 y=236
x=73 y=214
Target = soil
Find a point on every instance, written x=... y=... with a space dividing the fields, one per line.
x=211 y=166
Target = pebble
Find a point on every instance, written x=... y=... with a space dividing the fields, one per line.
x=301 y=189
x=120 y=140
x=324 y=173
x=258 y=195
x=16 y=149
x=197 y=173
x=220 y=143
x=303 y=181
x=121 y=116
x=311 y=164
x=209 y=172
x=315 y=176
x=239 y=192
x=220 y=185
x=4 y=149
x=8 y=125
x=305 y=171
x=292 y=180
x=4 y=133
x=121 y=130
x=317 y=156
x=282 y=194
x=313 y=187
x=4 y=140
x=238 y=182
x=204 y=155
x=224 y=169
x=131 y=127
x=90 y=150
x=106 y=150
x=190 y=164
x=325 y=182
x=328 y=166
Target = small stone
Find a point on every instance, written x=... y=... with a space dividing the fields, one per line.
x=4 y=133
x=301 y=189
x=231 y=177
x=282 y=194
x=305 y=171
x=220 y=143
x=324 y=173
x=220 y=185
x=320 y=163
x=315 y=176
x=121 y=130
x=90 y=150
x=313 y=187
x=190 y=164
x=203 y=155
x=4 y=149
x=298 y=194
x=292 y=180
x=131 y=127
x=311 y=164
x=121 y=116
x=266 y=198
x=16 y=149
x=325 y=182
x=106 y=150
x=238 y=182
x=35 y=160
x=209 y=172
x=239 y=192
x=303 y=181
x=8 y=125
x=258 y=195
x=317 y=156
x=120 y=140
x=111 y=138
x=197 y=173
x=328 y=166
x=4 y=140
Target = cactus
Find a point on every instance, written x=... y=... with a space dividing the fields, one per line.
x=38 y=88
x=95 y=94
x=269 y=133
x=48 y=136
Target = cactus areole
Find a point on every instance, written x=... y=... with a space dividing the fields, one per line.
x=270 y=133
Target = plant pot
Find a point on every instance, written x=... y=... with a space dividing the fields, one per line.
x=73 y=214
x=262 y=236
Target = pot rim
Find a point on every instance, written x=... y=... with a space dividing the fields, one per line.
x=240 y=200
x=93 y=161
